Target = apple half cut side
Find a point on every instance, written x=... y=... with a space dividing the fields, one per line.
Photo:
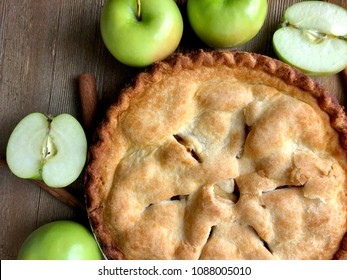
x=313 y=38
x=50 y=149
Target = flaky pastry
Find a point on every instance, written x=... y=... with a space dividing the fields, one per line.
x=220 y=155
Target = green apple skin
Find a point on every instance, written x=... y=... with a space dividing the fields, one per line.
x=60 y=240
x=62 y=136
x=226 y=23
x=139 y=43
x=313 y=38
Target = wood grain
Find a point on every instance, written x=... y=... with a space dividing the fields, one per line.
x=62 y=194
x=44 y=47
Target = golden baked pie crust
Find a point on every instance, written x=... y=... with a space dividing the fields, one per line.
x=220 y=155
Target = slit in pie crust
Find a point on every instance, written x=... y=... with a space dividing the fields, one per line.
x=220 y=155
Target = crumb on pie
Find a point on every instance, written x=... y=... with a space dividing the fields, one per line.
x=220 y=155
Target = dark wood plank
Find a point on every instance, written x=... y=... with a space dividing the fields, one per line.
x=23 y=89
x=34 y=49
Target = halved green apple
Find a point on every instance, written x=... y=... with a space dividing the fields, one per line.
x=313 y=38
x=45 y=148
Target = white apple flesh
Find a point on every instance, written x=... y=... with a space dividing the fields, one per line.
x=50 y=149
x=313 y=38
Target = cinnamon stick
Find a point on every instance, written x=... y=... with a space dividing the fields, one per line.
x=61 y=194
x=3 y=162
x=88 y=98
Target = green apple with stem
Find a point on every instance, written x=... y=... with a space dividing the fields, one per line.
x=138 y=33
x=313 y=37
x=226 y=23
x=52 y=149
x=60 y=240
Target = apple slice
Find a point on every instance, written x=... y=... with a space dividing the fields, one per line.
x=50 y=149
x=313 y=38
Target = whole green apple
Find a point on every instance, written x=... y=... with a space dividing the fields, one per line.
x=138 y=33
x=60 y=240
x=226 y=23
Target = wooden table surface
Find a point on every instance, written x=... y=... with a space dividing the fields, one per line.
x=44 y=47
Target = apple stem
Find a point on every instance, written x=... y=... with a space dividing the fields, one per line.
x=138 y=6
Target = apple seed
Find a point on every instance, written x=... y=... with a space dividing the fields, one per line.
x=314 y=36
x=48 y=149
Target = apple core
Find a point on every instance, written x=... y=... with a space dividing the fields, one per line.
x=52 y=149
x=48 y=149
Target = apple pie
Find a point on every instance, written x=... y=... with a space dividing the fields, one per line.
x=220 y=155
